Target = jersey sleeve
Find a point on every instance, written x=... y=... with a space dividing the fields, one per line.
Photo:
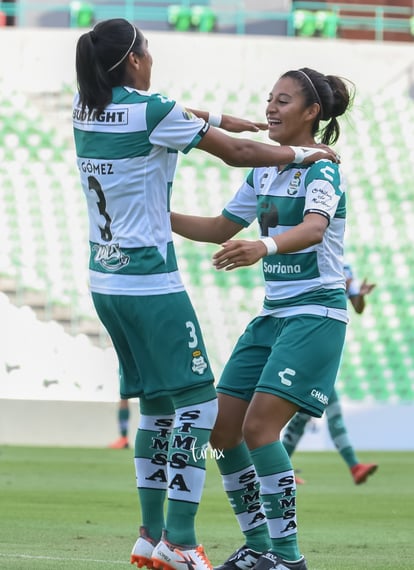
x=242 y=207
x=171 y=125
x=324 y=189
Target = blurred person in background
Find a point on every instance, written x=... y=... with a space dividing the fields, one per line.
x=123 y=415
x=336 y=425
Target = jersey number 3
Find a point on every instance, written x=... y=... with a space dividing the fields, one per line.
x=94 y=186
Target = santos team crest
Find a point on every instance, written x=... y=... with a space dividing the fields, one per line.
x=111 y=257
x=198 y=364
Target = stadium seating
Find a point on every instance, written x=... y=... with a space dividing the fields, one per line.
x=81 y=14
x=179 y=17
x=41 y=202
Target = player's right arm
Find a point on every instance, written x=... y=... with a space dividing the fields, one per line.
x=202 y=228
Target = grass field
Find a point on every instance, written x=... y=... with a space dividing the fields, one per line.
x=65 y=508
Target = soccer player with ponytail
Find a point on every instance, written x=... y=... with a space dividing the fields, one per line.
x=288 y=357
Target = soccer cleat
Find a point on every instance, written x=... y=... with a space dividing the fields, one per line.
x=120 y=443
x=143 y=549
x=361 y=472
x=270 y=561
x=243 y=559
x=299 y=480
x=167 y=556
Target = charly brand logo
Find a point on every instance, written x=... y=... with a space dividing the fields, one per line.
x=286 y=372
x=205 y=451
x=111 y=257
x=320 y=396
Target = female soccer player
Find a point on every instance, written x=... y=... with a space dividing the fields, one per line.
x=287 y=358
x=127 y=141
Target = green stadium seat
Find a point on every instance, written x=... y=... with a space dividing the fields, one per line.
x=203 y=18
x=179 y=17
x=326 y=24
x=81 y=14
x=304 y=23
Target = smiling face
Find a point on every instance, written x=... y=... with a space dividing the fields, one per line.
x=290 y=121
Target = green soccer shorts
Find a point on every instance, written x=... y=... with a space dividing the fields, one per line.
x=158 y=342
x=296 y=358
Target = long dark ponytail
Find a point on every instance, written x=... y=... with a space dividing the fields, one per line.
x=101 y=56
x=333 y=94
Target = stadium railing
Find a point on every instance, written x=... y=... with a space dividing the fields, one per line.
x=378 y=19
x=330 y=18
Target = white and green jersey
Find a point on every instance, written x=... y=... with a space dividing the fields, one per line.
x=312 y=280
x=127 y=157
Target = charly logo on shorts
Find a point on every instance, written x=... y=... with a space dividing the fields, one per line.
x=198 y=364
x=284 y=376
x=320 y=396
x=111 y=257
